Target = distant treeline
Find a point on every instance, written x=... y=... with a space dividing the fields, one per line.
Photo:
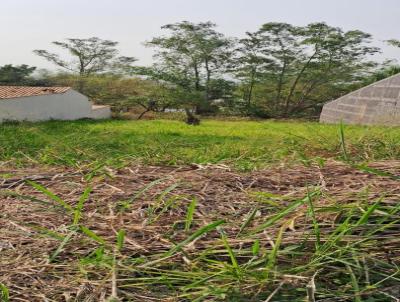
x=278 y=71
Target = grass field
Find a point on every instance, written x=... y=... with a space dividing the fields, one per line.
x=272 y=211
x=244 y=145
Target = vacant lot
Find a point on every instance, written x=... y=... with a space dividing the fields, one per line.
x=162 y=211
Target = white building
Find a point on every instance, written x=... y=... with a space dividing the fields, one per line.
x=23 y=103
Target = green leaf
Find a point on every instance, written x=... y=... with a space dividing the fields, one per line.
x=61 y=246
x=231 y=254
x=314 y=220
x=120 y=239
x=50 y=194
x=274 y=252
x=285 y=212
x=78 y=209
x=4 y=293
x=255 y=249
x=189 y=214
x=249 y=218
x=364 y=218
x=194 y=236
x=342 y=141
x=92 y=235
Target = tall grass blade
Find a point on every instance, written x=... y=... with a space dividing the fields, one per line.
x=31 y=198
x=61 y=246
x=194 y=236
x=364 y=218
x=284 y=212
x=146 y=188
x=4 y=293
x=343 y=141
x=189 y=214
x=50 y=194
x=231 y=254
x=78 y=209
x=92 y=235
x=317 y=231
x=354 y=283
x=376 y=172
x=248 y=220
x=272 y=257
x=120 y=239
x=255 y=248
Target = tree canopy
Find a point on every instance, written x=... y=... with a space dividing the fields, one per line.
x=89 y=56
x=16 y=75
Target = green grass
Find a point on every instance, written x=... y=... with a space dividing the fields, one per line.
x=243 y=144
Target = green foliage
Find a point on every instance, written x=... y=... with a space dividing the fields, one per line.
x=89 y=56
x=288 y=70
x=193 y=57
x=16 y=75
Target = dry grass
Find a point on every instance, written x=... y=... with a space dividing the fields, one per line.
x=284 y=229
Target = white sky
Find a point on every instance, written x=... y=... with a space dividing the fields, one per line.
x=33 y=24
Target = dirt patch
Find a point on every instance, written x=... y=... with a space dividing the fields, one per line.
x=150 y=204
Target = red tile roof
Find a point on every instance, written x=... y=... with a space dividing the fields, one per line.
x=9 y=92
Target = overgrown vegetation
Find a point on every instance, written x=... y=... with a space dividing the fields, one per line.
x=243 y=144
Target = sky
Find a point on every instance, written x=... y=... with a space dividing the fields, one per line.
x=33 y=24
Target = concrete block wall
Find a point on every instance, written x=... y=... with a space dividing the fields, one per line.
x=100 y=112
x=378 y=103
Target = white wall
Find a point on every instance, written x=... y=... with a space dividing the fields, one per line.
x=70 y=105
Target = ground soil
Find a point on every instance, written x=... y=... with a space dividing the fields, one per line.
x=121 y=200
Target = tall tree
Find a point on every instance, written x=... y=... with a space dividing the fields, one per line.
x=302 y=61
x=250 y=64
x=191 y=56
x=89 y=56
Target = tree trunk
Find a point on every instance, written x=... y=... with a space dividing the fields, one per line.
x=197 y=77
x=250 y=92
x=280 y=82
x=190 y=118
x=143 y=113
x=288 y=99
x=208 y=74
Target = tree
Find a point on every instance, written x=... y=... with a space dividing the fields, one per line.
x=155 y=96
x=89 y=56
x=299 y=63
x=16 y=75
x=267 y=55
x=250 y=65
x=191 y=56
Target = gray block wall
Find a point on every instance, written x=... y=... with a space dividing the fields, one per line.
x=375 y=104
